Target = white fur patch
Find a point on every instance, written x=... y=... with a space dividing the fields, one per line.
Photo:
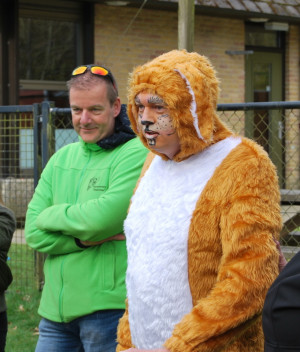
x=193 y=107
x=156 y=229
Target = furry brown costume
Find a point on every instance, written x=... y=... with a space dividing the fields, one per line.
x=231 y=256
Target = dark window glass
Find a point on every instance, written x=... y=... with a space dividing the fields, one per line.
x=266 y=39
x=47 y=49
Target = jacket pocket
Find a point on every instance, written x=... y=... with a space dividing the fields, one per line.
x=107 y=266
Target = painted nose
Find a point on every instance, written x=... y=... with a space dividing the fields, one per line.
x=147 y=117
x=147 y=123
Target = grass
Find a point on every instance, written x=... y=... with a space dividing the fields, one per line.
x=22 y=299
x=23 y=321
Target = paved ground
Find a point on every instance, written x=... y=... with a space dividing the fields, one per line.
x=18 y=237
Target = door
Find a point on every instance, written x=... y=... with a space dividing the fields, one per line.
x=264 y=84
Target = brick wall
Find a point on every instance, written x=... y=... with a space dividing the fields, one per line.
x=214 y=36
x=154 y=32
x=292 y=64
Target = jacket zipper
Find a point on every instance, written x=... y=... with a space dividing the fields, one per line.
x=64 y=259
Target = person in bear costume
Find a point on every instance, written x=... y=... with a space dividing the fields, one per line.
x=203 y=220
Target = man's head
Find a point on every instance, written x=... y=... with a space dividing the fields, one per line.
x=187 y=87
x=156 y=124
x=94 y=102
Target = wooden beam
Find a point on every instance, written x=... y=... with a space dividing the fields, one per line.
x=186 y=24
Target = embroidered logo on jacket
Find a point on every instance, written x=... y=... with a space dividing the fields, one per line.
x=93 y=184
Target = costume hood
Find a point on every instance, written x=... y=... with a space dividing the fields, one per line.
x=188 y=84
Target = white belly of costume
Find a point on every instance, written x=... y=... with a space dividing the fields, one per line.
x=157 y=229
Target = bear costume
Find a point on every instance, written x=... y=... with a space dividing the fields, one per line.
x=201 y=226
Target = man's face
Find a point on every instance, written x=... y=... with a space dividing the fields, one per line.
x=156 y=124
x=92 y=115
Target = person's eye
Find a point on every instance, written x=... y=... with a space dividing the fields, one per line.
x=140 y=108
x=96 y=110
x=160 y=108
x=76 y=110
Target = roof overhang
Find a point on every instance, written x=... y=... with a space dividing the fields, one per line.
x=200 y=9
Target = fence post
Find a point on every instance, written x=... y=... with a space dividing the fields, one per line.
x=37 y=167
x=44 y=148
x=48 y=133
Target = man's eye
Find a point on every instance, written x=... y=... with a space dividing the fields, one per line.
x=75 y=109
x=140 y=108
x=96 y=110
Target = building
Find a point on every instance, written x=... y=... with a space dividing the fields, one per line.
x=254 y=46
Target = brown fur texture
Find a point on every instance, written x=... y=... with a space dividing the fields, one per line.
x=232 y=256
x=152 y=77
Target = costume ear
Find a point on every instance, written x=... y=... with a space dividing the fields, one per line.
x=203 y=87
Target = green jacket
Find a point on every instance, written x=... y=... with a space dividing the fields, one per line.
x=83 y=193
x=7 y=228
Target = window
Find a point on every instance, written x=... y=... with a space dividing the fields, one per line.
x=49 y=48
x=257 y=36
x=53 y=39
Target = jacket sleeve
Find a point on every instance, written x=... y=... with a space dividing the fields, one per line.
x=249 y=263
x=123 y=333
x=100 y=218
x=7 y=228
x=42 y=240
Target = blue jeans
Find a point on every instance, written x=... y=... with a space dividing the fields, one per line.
x=96 y=332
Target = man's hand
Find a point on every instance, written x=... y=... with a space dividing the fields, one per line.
x=117 y=237
x=282 y=260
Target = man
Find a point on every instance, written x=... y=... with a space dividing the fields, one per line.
x=203 y=221
x=7 y=229
x=281 y=312
x=76 y=217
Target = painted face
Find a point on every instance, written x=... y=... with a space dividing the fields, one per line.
x=93 y=116
x=156 y=124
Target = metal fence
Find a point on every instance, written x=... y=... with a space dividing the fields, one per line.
x=29 y=135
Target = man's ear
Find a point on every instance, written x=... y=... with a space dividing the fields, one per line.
x=117 y=107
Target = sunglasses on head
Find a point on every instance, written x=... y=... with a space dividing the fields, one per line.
x=95 y=70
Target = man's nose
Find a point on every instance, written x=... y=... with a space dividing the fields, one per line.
x=147 y=123
x=147 y=117
x=85 y=117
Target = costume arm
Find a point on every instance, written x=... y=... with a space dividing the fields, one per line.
x=42 y=240
x=123 y=333
x=7 y=227
x=98 y=219
x=248 y=221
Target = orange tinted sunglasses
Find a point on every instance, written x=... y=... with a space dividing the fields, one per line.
x=95 y=70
